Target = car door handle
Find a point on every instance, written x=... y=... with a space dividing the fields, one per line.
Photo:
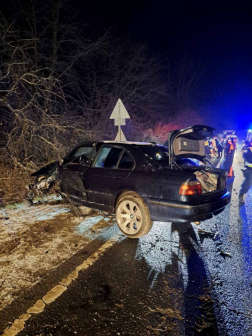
x=117 y=178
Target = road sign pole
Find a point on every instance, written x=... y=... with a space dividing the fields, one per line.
x=119 y=121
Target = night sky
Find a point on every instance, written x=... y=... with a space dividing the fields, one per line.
x=216 y=34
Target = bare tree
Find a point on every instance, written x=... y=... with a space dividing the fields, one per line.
x=35 y=94
x=183 y=79
x=122 y=70
x=59 y=84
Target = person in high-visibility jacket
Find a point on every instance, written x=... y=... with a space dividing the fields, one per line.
x=230 y=151
x=247 y=183
x=207 y=148
x=245 y=147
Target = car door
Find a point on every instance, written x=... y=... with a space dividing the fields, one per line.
x=72 y=172
x=108 y=174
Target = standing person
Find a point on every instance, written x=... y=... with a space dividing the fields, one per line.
x=219 y=148
x=235 y=140
x=230 y=150
x=206 y=147
x=222 y=144
x=211 y=147
x=245 y=147
x=247 y=183
x=214 y=148
x=225 y=143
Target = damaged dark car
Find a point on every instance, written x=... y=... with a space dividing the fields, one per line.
x=142 y=182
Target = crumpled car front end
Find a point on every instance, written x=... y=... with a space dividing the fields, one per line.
x=43 y=180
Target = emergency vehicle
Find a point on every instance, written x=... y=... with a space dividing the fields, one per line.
x=249 y=136
x=228 y=132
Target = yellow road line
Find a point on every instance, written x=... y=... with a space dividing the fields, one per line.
x=56 y=291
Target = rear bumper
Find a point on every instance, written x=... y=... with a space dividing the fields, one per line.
x=162 y=210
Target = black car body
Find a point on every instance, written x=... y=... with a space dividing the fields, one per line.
x=97 y=174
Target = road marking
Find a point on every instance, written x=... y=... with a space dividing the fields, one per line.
x=220 y=162
x=37 y=308
x=56 y=291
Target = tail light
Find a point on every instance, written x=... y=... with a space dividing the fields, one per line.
x=190 y=188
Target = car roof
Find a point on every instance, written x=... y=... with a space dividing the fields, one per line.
x=93 y=143
x=128 y=142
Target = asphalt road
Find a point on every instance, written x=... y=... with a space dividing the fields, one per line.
x=177 y=280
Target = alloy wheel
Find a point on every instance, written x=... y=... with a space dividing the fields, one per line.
x=129 y=217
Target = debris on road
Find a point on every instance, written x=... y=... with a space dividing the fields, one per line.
x=225 y=254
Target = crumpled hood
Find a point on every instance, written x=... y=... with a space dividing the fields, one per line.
x=47 y=170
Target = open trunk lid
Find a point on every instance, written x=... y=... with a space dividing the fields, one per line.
x=189 y=142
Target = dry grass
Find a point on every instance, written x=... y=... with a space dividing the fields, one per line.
x=13 y=182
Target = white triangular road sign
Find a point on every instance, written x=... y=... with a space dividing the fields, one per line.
x=120 y=136
x=119 y=111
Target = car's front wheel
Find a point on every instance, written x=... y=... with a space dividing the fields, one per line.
x=133 y=216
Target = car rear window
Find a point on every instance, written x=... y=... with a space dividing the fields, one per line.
x=108 y=157
x=126 y=162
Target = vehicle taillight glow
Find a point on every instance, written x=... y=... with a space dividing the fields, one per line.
x=190 y=188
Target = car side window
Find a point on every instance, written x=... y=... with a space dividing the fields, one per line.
x=126 y=162
x=81 y=156
x=108 y=157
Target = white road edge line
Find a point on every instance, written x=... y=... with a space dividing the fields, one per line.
x=219 y=163
x=56 y=291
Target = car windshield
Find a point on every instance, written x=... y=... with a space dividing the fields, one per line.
x=156 y=153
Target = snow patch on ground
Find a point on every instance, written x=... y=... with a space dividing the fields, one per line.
x=52 y=214
x=84 y=226
x=37 y=239
x=97 y=227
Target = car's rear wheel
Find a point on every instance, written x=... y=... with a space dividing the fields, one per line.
x=133 y=216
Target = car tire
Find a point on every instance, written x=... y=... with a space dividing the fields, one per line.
x=132 y=215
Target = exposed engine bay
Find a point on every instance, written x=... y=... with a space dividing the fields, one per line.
x=208 y=181
x=43 y=183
